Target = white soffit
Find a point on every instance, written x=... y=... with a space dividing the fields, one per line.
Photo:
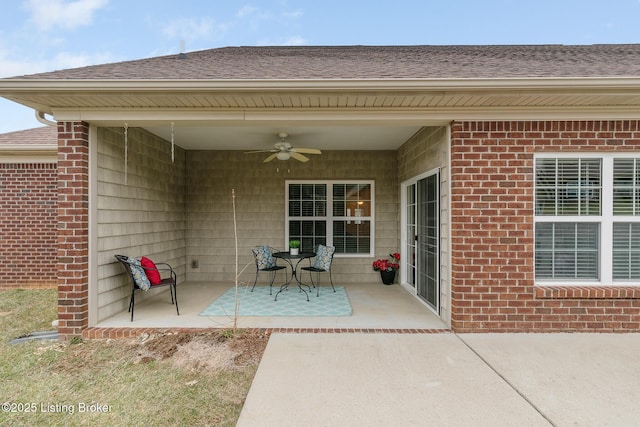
x=326 y=114
x=323 y=137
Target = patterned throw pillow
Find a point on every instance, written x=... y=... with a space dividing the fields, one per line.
x=323 y=257
x=264 y=257
x=139 y=276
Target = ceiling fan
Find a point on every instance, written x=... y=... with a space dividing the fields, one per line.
x=284 y=151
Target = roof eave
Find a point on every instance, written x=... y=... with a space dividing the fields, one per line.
x=66 y=99
x=9 y=86
x=28 y=153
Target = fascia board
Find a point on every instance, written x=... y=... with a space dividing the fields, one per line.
x=15 y=153
x=4 y=148
x=138 y=117
x=12 y=86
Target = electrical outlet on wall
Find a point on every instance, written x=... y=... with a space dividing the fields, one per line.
x=194 y=263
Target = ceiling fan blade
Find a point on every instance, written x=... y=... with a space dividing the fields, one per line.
x=299 y=157
x=260 y=151
x=271 y=157
x=306 y=150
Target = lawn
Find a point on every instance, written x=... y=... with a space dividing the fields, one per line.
x=168 y=379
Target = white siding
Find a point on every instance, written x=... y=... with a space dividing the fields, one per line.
x=145 y=216
x=260 y=207
x=426 y=150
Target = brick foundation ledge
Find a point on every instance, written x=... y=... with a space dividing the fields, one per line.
x=114 y=333
x=587 y=292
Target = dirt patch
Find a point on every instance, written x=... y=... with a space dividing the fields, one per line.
x=203 y=351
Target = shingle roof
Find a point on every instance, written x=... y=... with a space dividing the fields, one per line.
x=372 y=62
x=46 y=135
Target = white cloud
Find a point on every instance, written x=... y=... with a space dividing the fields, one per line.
x=289 y=41
x=295 y=41
x=253 y=16
x=12 y=65
x=245 y=11
x=192 y=29
x=65 y=60
x=254 y=20
x=52 y=14
x=296 y=14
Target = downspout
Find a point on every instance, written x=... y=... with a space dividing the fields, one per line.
x=42 y=119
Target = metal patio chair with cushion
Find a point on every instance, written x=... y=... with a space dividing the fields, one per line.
x=322 y=264
x=265 y=261
x=145 y=275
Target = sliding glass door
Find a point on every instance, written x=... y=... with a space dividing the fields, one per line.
x=421 y=238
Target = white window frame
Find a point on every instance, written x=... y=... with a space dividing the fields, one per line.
x=606 y=220
x=329 y=218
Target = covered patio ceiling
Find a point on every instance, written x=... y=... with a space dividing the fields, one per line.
x=258 y=137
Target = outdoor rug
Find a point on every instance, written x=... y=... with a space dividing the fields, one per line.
x=290 y=303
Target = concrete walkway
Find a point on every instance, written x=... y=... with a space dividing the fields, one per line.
x=446 y=380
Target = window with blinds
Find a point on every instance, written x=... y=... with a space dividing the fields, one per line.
x=626 y=187
x=626 y=251
x=587 y=218
x=567 y=250
x=335 y=213
x=626 y=203
x=567 y=187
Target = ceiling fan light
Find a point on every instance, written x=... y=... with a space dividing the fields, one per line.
x=283 y=155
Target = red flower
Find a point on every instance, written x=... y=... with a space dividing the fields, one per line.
x=390 y=264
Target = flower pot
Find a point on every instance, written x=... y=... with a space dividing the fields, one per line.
x=388 y=277
x=294 y=251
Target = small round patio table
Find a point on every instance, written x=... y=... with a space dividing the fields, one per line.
x=289 y=258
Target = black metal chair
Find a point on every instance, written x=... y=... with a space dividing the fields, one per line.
x=263 y=256
x=135 y=271
x=322 y=264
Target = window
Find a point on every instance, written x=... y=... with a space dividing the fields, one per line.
x=336 y=213
x=626 y=250
x=626 y=203
x=587 y=218
x=566 y=250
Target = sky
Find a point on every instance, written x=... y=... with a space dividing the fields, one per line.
x=46 y=35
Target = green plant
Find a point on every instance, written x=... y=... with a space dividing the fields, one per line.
x=294 y=244
x=227 y=333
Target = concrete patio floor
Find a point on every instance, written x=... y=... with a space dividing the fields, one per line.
x=375 y=306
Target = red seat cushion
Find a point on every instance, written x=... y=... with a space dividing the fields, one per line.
x=153 y=275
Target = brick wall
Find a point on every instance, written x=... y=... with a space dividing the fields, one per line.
x=492 y=230
x=28 y=225
x=73 y=228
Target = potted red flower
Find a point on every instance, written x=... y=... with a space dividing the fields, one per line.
x=388 y=268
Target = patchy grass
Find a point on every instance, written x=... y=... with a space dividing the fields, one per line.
x=25 y=311
x=169 y=379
